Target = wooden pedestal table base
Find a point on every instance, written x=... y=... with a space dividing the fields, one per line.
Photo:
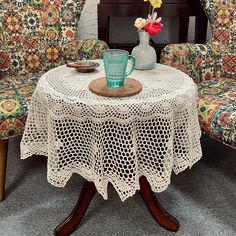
x=88 y=191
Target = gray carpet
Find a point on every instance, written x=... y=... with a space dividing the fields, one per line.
x=202 y=198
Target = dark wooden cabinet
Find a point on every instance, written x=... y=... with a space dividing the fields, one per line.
x=138 y=8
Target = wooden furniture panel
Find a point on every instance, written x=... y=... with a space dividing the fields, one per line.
x=137 y=8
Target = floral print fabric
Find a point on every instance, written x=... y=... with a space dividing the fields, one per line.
x=16 y=91
x=213 y=67
x=15 y=94
x=222 y=18
x=33 y=33
x=84 y=49
x=200 y=61
x=217 y=109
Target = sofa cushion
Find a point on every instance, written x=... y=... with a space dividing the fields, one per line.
x=217 y=109
x=15 y=94
x=33 y=33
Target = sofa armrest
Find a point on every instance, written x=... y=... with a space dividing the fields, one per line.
x=84 y=49
x=199 y=61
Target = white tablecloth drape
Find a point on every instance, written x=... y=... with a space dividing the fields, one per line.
x=114 y=140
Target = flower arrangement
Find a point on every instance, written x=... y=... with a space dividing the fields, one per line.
x=152 y=24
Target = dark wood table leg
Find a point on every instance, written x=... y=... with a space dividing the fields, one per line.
x=73 y=220
x=87 y=193
x=3 y=167
x=162 y=217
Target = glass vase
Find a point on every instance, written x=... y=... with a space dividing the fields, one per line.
x=144 y=54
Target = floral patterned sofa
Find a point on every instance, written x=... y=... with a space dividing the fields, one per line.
x=213 y=68
x=35 y=35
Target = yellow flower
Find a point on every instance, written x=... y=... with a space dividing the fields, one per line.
x=155 y=3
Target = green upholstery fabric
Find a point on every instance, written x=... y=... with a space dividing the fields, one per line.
x=213 y=67
x=200 y=61
x=84 y=49
x=217 y=109
x=16 y=91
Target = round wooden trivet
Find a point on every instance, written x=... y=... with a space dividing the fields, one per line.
x=131 y=87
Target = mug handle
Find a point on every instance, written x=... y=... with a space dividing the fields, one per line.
x=132 y=67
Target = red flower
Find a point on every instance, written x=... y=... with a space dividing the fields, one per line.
x=153 y=27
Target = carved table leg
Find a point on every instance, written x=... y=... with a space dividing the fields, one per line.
x=88 y=191
x=162 y=217
x=73 y=220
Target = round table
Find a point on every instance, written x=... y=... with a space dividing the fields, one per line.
x=130 y=142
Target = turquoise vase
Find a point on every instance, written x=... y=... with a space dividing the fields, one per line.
x=144 y=54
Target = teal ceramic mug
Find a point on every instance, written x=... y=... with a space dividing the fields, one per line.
x=115 y=63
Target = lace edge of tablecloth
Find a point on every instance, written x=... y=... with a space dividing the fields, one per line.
x=102 y=186
x=196 y=156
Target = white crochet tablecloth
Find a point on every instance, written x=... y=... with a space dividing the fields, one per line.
x=112 y=139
